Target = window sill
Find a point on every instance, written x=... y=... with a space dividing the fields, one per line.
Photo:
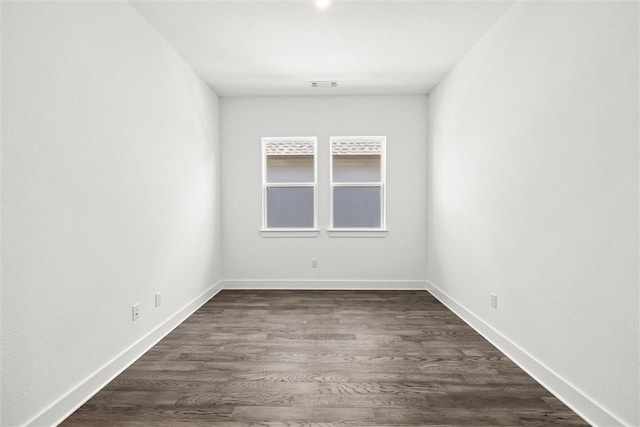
x=357 y=232
x=290 y=232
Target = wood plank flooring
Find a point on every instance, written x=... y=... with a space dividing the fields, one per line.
x=323 y=358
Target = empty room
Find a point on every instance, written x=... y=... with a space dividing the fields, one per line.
x=349 y=213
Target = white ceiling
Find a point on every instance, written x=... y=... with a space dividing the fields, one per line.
x=267 y=47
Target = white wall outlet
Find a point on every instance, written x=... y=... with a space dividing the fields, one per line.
x=314 y=263
x=135 y=312
x=494 y=301
x=158 y=299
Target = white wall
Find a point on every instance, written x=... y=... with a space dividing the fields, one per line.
x=397 y=257
x=533 y=191
x=110 y=192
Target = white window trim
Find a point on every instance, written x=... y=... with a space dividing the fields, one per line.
x=289 y=232
x=357 y=232
x=364 y=231
x=282 y=231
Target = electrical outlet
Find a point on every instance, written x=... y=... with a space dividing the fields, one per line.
x=135 y=312
x=158 y=299
x=314 y=263
x=494 y=301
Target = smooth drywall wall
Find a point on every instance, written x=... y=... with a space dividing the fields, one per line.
x=533 y=191
x=397 y=257
x=109 y=185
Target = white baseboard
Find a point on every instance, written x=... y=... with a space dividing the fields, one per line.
x=575 y=399
x=592 y=412
x=55 y=413
x=390 y=285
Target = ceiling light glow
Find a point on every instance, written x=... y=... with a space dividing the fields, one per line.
x=322 y=3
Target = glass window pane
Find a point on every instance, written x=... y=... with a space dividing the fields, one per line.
x=290 y=169
x=352 y=168
x=355 y=207
x=289 y=207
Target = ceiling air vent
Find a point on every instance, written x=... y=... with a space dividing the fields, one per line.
x=324 y=84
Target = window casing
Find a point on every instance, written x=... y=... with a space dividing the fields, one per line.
x=358 y=183
x=289 y=184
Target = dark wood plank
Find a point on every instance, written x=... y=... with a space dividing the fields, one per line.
x=323 y=359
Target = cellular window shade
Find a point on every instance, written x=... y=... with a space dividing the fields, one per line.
x=289 y=148
x=356 y=147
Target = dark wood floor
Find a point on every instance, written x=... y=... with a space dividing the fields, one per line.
x=323 y=358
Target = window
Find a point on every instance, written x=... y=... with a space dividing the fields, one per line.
x=289 y=184
x=358 y=183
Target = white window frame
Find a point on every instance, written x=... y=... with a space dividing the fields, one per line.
x=360 y=231
x=292 y=231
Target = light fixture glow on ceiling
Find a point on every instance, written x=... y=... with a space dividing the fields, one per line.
x=322 y=3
